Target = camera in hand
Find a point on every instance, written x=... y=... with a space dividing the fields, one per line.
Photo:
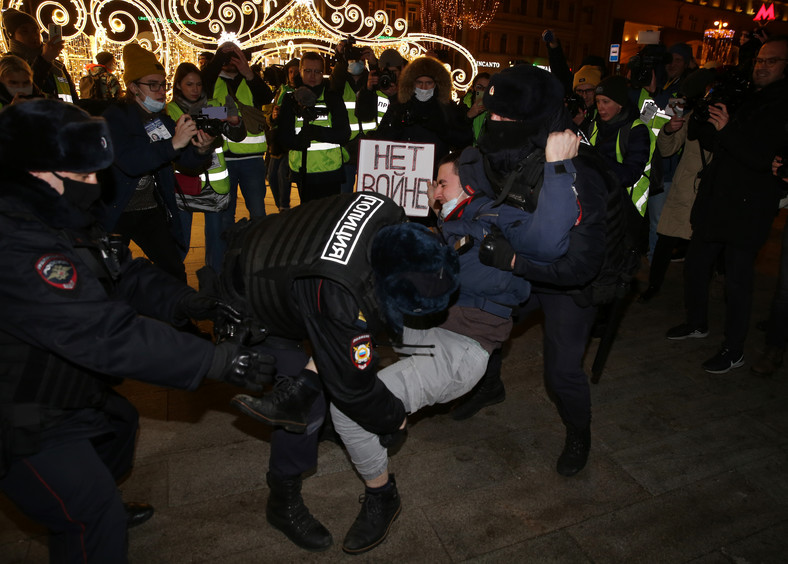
x=209 y=125
x=574 y=104
x=730 y=89
x=352 y=53
x=645 y=62
x=386 y=78
x=305 y=107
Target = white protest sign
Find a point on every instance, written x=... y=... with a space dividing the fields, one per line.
x=400 y=170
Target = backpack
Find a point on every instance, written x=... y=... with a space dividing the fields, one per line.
x=521 y=188
x=90 y=87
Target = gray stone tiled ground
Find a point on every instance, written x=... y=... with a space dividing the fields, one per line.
x=685 y=467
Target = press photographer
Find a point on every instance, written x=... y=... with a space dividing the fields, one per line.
x=373 y=101
x=315 y=145
x=736 y=204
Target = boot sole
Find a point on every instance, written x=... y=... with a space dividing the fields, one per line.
x=246 y=409
x=377 y=542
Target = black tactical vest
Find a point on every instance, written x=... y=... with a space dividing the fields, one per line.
x=329 y=238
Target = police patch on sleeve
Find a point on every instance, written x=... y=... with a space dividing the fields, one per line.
x=361 y=351
x=57 y=271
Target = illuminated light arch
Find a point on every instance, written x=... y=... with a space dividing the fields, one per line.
x=177 y=30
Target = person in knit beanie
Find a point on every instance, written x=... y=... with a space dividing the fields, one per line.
x=23 y=35
x=140 y=195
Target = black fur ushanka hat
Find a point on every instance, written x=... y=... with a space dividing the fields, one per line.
x=51 y=135
x=415 y=273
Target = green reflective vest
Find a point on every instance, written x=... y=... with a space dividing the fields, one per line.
x=320 y=157
x=254 y=142
x=478 y=121
x=638 y=191
x=217 y=174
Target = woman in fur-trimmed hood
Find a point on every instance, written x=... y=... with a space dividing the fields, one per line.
x=424 y=66
x=425 y=114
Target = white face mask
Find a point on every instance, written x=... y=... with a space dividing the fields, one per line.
x=24 y=90
x=424 y=95
x=448 y=207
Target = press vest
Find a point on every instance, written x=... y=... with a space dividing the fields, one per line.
x=217 y=175
x=638 y=191
x=320 y=157
x=254 y=142
x=61 y=84
x=312 y=241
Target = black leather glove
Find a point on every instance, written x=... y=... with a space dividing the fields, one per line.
x=200 y=306
x=246 y=367
x=393 y=441
x=496 y=251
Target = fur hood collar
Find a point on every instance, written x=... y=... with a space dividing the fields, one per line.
x=425 y=66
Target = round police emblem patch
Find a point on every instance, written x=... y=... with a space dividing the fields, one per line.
x=57 y=271
x=361 y=351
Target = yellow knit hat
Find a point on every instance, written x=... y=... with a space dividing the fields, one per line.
x=139 y=62
x=589 y=75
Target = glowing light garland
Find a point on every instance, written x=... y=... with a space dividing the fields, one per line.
x=177 y=30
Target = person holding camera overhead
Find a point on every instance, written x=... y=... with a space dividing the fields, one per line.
x=208 y=190
x=313 y=126
x=139 y=188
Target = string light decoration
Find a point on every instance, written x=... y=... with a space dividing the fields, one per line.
x=447 y=17
x=478 y=13
x=272 y=30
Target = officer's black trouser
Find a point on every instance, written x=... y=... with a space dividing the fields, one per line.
x=70 y=488
x=292 y=454
x=566 y=330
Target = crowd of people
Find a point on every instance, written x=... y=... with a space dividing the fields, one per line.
x=549 y=187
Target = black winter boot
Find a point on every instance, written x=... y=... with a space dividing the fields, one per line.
x=287 y=405
x=488 y=391
x=576 y=449
x=286 y=511
x=379 y=509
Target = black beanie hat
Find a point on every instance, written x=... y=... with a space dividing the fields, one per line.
x=51 y=135
x=104 y=57
x=524 y=93
x=13 y=19
x=616 y=88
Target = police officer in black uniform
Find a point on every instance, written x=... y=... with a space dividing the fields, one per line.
x=339 y=271
x=79 y=315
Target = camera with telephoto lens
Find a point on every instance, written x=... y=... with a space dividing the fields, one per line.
x=209 y=125
x=731 y=88
x=645 y=62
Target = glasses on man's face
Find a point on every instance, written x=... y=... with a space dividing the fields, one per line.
x=770 y=62
x=155 y=86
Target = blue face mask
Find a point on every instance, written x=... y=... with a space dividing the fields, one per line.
x=153 y=106
x=355 y=68
x=448 y=207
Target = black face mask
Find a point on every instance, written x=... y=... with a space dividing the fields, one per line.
x=81 y=195
x=505 y=135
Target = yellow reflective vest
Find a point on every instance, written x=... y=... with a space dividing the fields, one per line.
x=320 y=157
x=217 y=174
x=254 y=143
